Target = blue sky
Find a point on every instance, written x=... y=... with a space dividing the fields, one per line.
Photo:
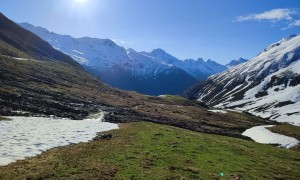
x=217 y=29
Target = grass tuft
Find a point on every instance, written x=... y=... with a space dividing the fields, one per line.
x=4 y=119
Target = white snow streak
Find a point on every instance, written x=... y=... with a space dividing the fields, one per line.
x=218 y=111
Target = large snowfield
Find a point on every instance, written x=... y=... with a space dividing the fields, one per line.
x=29 y=136
x=266 y=86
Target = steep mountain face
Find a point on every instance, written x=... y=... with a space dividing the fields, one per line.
x=96 y=51
x=267 y=86
x=124 y=69
x=199 y=68
x=28 y=44
x=37 y=79
x=234 y=62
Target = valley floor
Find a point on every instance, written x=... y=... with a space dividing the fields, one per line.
x=151 y=151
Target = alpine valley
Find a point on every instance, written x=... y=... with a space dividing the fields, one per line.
x=153 y=73
x=68 y=110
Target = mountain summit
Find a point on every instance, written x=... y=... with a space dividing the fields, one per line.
x=267 y=86
x=199 y=68
x=234 y=62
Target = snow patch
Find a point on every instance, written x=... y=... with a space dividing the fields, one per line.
x=20 y=59
x=30 y=136
x=262 y=135
x=77 y=52
x=218 y=111
x=162 y=96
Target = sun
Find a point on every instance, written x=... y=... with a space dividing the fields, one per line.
x=81 y=1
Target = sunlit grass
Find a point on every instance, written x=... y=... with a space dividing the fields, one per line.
x=150 y=151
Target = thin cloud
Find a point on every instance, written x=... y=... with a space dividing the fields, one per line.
x=272 y=15
x=293 y=24
x=296 y=23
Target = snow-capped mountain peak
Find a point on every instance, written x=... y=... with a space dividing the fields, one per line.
x=199 y=68
x=158 y=51
x=234 y=62
x=268 y=85
x=163 y=56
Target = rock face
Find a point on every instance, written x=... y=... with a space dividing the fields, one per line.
x=153 y=73
x=267 y=85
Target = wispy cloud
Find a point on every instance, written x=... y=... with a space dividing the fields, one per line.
x=272 y=15
x=296 y=23
x=293 y=24
x=289 y=17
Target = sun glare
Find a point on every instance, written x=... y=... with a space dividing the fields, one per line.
x=80 y=1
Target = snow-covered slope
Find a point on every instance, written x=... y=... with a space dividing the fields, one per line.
x=121 y=68
x=87 y=51
x=199 y=68
x=105 y=53
x=234 y=62
x=267 y=86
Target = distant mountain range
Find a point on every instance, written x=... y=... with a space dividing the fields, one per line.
x=267 y=86
x=153 y=73
x=199 y=68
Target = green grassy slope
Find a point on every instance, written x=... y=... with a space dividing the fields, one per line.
x=151 y=151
